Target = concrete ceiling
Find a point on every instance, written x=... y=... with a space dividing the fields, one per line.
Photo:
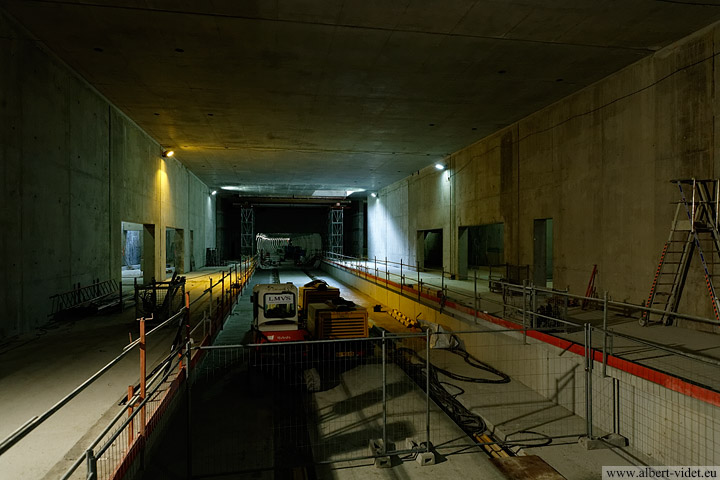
x=287 y=97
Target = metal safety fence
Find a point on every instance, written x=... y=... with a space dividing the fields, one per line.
x=305 y=404
x=661 y=399
x=116 y=450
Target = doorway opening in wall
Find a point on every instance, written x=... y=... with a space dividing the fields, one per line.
x=479 y=248
x=174 y=252
x=543 y=252
x=432 y=249
x=131 y=261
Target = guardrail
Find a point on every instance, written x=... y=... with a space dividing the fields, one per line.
x=209 y=311
x=526 y=305
x=622 y=371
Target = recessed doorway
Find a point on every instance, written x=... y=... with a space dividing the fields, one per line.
x=543 y=252
x=174 y=251
x=432 y=249
x=480 y=247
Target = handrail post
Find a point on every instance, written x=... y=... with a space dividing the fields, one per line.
x=211 y=306
x=91 y=465
x=427 y=390
x=588 y=380
x=534 y=292
x=384 y=394
x=401 y=274
x=524 y=310
x=605 y=320
x=188 y=445
x=142 y=375
x=131 y=432
x=475 y=296
x=387 y=273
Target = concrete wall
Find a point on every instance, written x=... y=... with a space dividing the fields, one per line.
x=598 y=163
x=666 y=426
x=73 y=168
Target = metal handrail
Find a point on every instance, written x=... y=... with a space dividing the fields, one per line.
x=122 y=412
x=33 y=423
x=519 y=288
x=511 y=287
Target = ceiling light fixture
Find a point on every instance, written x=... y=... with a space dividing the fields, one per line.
x=441 y=166
x=214 y=192
x=168 y=153
x=373 y=194
x=233 y=188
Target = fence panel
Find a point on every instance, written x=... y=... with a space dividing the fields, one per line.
x=516 y=388
x=655 y=409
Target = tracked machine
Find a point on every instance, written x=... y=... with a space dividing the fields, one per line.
x=317 y=312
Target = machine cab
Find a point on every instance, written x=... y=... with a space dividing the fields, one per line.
x=275 y=307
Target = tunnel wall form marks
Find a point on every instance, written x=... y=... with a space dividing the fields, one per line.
x=73 y=168
x=597 y=162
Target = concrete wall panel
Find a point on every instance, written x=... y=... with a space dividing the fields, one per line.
x=598 y=163
x=73 y=168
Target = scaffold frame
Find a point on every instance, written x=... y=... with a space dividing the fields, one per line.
x=247 y=231
x=335 y=231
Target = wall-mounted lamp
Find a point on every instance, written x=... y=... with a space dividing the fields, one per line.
x=441 y=166
x=168 y=153
x=214 y=192
x=373 y=194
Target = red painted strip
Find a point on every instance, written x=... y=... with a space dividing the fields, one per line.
x=668 y=381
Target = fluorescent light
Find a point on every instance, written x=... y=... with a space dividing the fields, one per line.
x=440 y=166
x=373 y=194
x=214 y=192
x=233 y=188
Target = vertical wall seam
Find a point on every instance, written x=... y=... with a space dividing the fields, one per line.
x=110 y=210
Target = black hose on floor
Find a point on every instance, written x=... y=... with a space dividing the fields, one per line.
x=445 y=393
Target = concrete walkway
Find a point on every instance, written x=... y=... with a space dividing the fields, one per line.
x=694 y=342
x=39 y=369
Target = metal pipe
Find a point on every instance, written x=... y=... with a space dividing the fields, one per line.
x=121 y=428
x=427 y=390
x=605 y=319
x=211 y=303
x=34 y=422
x=188 y=444
x=91 y=465
x=692 y=218
x=142 y=375
x=708 y=360
x=417 y=267
x=611 y=303
x=442 y=280
x=534 y=306
x=524 y=310
x=384 y=394
x=475 y=297
x=130 y=395
x=588 y=379
x=717 y=201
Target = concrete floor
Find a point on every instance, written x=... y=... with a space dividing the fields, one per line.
x=37 y=370
x=680 y=338
x=248 y=425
